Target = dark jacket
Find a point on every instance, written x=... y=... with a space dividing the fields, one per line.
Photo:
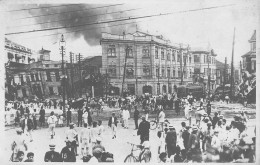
x=80 y=113
x=68 y=114
x=143 y=129
x=136 y=114
x=52 y=156
x=68 y=155
x=29 y=124
x=110 y=121
x=171 y=138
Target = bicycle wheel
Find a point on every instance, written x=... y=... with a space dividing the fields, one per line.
x=130 y=159
x=153 y=125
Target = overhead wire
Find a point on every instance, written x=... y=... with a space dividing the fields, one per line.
x=73 y=11
x=39 y=7
x=118 y=20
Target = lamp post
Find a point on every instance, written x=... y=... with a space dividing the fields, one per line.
x=63 y=77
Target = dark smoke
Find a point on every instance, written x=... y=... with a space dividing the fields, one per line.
x=92 y=36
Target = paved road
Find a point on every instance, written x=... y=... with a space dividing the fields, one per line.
x=118 y=146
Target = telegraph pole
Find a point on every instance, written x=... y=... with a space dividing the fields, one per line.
x=80 y=79
x=208 y=77
x=232 y=68
x=106 y=83
x=126 y=54
x=181 y=65
x=62 y=44
x=158 y=84
x=72 y=73
x=224 y=78
x=240 y=76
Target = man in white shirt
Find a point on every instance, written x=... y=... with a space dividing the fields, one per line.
x=85 y=140
x=126 y=116
x=52 y=120
x=101 y=129
x=85 y=117
x=72 y=136
x=161 y=119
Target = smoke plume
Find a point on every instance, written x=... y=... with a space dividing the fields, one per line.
x=84 y=15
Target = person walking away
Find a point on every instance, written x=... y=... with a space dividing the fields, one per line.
x=52 y=120
x=161 y=119
x=42 y=117
x=68 y=153
x=72 y=137
x=136 y=117
x=68 y=117
x=143 y=130
x=112 y=123
x=52 y=155
x=19 y=144
x=80 y=113
x=215 y=120
x=85 y=140
x=208 y=108
x=30 y=157
x=27 y=125
x=171 y=139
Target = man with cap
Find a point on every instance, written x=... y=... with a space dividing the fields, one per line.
x=171 y=139
x=99 y=145
x=52 y=120
x=72 y=136
x=52 y=155
x=113 y=124
x=143 y=130
x=68 y=153
x=27 y=125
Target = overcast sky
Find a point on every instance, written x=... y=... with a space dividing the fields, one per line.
x=204 y=28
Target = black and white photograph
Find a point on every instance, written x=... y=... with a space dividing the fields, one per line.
x=129 y=81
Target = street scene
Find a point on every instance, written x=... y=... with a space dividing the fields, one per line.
x=131 y=82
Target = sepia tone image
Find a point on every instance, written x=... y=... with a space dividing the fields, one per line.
x=125 y=82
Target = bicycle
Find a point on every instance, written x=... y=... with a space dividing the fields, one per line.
x=131 y=158
x=155 y=124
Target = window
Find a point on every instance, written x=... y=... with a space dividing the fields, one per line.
x=254 y=46
x=47 y=65
x=156 y=53
x=218 y=73
x=157 y=72
x=173 y=72
x=55 y=65
x=32 y=77
x=146 y=70
x=179 y=72
x=163 y=72
x=130 y=52
x=145 y=51
x=196 y=70
x=112 y=70
x=196 y=58
x=131 y=88
x=205 y=71
x=168 y=56
x=130 y=71
x=57 y=75
x=59 y=90
x=173 y=55
x=179 y=57
x=162 y=54
x=22 y=80
x=111 y=51
x=37 y=77
x=189 y=58
x=51 y=92
x=168 y=73
x=48 y=74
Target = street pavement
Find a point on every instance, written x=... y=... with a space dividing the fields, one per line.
x=118 y=146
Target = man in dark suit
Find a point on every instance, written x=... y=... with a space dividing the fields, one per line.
x=177 y=106
x=52 y=155
x=171 y=139
x=68 y=117
x=136 y=116
x=67 y=153
x=80 y=113
x=27 y=125
x=143 y=130
x=113 y=124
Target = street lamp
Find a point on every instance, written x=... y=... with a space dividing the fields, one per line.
x=63 y=76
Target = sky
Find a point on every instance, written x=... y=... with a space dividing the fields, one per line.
x=205 y=28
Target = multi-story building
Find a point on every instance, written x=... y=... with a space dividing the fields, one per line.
x=205 y=65
x=249 y=59
x=151 y=63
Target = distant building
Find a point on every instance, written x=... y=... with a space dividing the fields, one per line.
x=249 y=59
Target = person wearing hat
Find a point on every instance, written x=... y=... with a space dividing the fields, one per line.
x=52 y=120
x=52 y=155
x=143 y=129
x=19 y=144
x=98 y=145
x=194 y=145
x=171 y=139
x=112 y=123
x=136 y=117
x=68 y=153
x=215 y=142
x=72 y=136
x=27 y=125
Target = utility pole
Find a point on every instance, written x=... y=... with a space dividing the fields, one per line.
x=208 y=77
x=240 y=76
x=62 y=44
x=232 y=68
x=72 y=73
x=106 y=83
x=126 y=54
x=181 y=64
x=80 y=79
x=224 y=78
